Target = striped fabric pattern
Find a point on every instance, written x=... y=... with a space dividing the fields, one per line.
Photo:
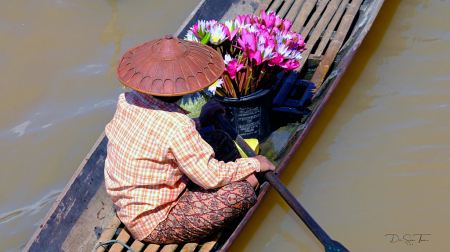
x=154 y=149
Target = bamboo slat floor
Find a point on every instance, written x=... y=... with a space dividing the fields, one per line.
x=324 y=24
x=117 y=231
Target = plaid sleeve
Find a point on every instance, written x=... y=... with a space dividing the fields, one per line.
x=195 y=158
x=198 y=125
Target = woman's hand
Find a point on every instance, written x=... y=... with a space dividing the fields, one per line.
x=207 y=114
x=265 y=164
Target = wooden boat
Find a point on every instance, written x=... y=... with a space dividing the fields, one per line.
x=84 y=215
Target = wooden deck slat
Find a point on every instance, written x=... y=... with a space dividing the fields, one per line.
x=124 y=236
x=275 y=5
x=263 y=6
x=317 y=14
x=330 y=29
x=286 y=6
x=336 y=44
x=293 y=11
x=208 y=246
x=300 y=20
x=152 y=248
x=189 y=247
x=311 y=41
x=109 y=232
x=324 y=20
x=169 y=248
x=137 y=246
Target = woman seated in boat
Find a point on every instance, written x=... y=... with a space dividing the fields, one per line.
x=169 y=183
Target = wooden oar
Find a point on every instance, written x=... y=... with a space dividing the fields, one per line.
x=329 y=244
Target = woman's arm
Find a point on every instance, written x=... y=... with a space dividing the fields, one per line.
x=195 y=158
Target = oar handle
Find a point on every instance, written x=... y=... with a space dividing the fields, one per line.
x=322 y=236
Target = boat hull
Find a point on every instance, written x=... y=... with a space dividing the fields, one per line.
x=83 y=211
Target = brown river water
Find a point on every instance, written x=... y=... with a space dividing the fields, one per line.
x=374 y=171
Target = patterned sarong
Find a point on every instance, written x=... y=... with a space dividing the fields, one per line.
x=200 y=213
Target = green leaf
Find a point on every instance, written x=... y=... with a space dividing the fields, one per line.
x=205 y=39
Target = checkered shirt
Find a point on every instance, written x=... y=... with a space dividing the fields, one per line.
x=154 y=149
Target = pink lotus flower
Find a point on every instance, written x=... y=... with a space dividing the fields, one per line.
x=265 y=46
x=249 y=19
x=290 y=64
x=194 y=29
x=255 y=20
x=268 y=20
x=227 y=31
x=262 y=14
x=232 y=66
x=275 y=31
x=247 y=41
x=289 y=43
x=277 y=59
x=240 y=20
x=256 y=56
x=286 y=25
x=278 y=21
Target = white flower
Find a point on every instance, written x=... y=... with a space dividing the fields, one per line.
x=203 y=26
x=266 y=52
x=227 y=59
x=230 y=25
x=297 y=55
x=283 y=49
x=190 y=36
x=252 y=28
x=215 y=85
x=217 y=34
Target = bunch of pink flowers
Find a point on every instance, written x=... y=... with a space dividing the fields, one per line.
x=254 y=48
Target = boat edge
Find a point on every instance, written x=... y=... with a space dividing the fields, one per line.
x=64 y=192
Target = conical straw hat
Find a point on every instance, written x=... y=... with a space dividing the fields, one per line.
x=170 y=67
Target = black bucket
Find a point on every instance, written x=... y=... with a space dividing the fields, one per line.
x=249 y=115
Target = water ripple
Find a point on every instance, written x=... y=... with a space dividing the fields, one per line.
x=32 y=209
